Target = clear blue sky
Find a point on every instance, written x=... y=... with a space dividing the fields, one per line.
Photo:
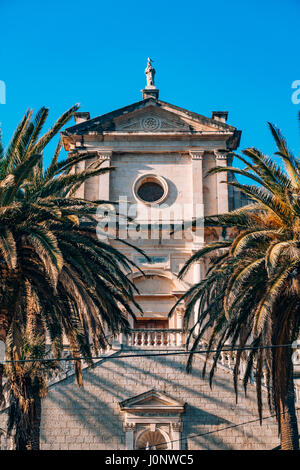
x=239 y=56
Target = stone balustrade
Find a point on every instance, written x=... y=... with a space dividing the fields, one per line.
x=66 y=366
x=169 y=338
x=155 y=338
x=296 y=357
x=227 y=361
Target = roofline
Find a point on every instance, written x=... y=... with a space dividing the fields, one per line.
x=197 y=116
x=111 y=114
x=132 y=107
x=153 y=391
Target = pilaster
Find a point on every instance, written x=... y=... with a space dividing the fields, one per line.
x=176 y=435
x=129 y=435
x=104 y=180
x=222 y=187
x=180 y=310
x=197 y=191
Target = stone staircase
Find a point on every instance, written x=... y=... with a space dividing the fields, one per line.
x=170 y=339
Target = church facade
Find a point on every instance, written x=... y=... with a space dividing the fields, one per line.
x=159 y=155
x=139 y=396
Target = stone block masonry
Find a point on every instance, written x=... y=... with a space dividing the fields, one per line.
x=90 y=418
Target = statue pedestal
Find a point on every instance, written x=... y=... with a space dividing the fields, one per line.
x=150 y=93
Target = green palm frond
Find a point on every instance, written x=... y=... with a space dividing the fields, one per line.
x=265 y=305
x=57 y=280
x=201 y=253
x=266 y=200
x=20 y=173
x=38 y=123
x=60 y=123
x=1 y=147
x=235 y=171
x=12 y=156
x=286 y=155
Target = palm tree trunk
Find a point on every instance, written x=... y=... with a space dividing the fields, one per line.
x=12 y=279
x=4 y=324
x=289 y=436
x=27 y=427
x=36 y=424
x=3 y=334
x=33 y=330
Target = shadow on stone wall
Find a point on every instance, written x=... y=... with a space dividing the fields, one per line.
x=89 y=418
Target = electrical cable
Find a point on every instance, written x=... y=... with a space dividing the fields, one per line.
x=152 y=354
x=191 y=436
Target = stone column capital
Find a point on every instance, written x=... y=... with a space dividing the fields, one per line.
x=220 y=155
x=93 y=154
x=129 y=426
x=104 y=154
x=197 y=154
x=180 y=311
x=177 y=427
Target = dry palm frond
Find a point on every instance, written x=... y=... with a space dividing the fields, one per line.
x=252 y=290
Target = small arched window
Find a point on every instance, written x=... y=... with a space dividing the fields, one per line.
x=152 y=440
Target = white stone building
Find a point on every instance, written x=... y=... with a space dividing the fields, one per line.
x=160 y=154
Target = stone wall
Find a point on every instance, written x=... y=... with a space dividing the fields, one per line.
x=89 y=418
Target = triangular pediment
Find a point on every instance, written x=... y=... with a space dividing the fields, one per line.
x=150 y=116
x=151 y=119
x=152 y=400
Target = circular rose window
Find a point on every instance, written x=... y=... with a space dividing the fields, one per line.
x=150 y=123
x=150 y=189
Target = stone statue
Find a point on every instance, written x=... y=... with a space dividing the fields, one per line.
x=150 y=72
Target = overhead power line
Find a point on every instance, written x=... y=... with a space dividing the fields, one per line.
x=154 y=353
x=191 y=436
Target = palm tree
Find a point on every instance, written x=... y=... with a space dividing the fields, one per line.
x=49 y=252
x=27 y=379
x=251 y=293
